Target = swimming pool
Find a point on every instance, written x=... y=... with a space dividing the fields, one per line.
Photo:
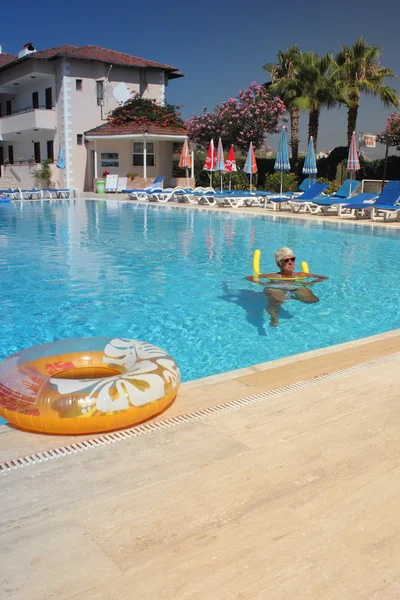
x=175 y=277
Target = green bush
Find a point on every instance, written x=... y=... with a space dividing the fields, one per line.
x=43 y=173
x=333 y=185
x=273 y=182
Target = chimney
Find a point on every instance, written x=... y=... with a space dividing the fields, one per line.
x=26 y=49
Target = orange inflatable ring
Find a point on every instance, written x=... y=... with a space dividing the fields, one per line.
x=86 y=385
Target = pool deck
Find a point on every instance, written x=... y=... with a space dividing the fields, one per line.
x=280 y=481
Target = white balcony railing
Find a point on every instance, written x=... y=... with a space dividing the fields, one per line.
x=28 y=119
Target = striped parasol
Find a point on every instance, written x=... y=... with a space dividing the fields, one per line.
x=185 y=161
x=220 y=164
x=211 y=159
x=310 y=164
x=353 y=162
x=230 y=164
x=250 y=166
x=282 y=157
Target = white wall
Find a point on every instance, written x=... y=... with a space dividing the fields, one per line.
x=163 y=159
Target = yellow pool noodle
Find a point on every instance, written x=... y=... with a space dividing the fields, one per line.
x=304 y=267
x=256 y=262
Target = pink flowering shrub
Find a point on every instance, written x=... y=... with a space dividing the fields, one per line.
x=140 y=111
x=239 y=121
x=391 y=134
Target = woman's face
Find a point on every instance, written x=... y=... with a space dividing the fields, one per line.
x=287 y=265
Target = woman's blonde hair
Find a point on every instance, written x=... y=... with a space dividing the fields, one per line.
x=283 y=253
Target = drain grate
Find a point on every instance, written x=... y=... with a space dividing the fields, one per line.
x=146 y=428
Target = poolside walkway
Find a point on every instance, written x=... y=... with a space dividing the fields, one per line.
x=284 y=211
x=291 y=494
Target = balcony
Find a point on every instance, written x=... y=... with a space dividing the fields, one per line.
x=27 y=119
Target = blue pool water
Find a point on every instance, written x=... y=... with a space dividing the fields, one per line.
x=175 y=277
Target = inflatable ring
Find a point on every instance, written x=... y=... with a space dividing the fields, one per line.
x=86 y=385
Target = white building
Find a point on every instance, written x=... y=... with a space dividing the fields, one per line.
x=50 y=98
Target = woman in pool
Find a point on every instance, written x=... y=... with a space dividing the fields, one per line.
x=278 y=292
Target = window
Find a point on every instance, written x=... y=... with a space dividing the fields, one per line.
x=79 y=139
x=49 y=98
x=78 y=85
x=11 y=154
x=35 y=100
x=100 y=92
x=36 y=151
x=138 y=148
x=50 y=150
x=0 y=112
x=8 y=107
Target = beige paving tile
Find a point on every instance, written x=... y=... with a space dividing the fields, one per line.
x=51 y=560
x=104 y=473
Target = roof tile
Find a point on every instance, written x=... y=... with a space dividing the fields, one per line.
x=7 y=58
x=91 y=52
x=50 y=52
x=112 y=56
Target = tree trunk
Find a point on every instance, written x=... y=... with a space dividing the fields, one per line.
x=294 y=132
x=351 y=120
x=313 y=124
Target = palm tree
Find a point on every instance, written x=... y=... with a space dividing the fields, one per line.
x=283 y=77
x=360 y=71
x=317 y=88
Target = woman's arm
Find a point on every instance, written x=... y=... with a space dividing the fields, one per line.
x=265 y=277
x=317 y=278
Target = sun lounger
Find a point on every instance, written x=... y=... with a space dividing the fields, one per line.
x=386 y=204
x=323 y=203
x=140 y=194
x=56 y=192
x=29 y=194
x=312 y=192
x=163 y=196
x=10 y=193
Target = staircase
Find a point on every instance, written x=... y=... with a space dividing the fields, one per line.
x=11 y=177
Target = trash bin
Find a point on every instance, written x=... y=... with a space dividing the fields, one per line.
x=100 y=186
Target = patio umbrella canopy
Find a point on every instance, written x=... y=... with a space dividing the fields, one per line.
x=220 y=162
x=310 y=164
x=185 y=161
x=61 y=160
x=230 y=164
x=353 y=162
x=250 y=165
x=282 y=157
x=211 y=160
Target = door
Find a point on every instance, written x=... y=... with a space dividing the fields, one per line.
x=36 y=151
x=35 y=100
x=11 y=154
x=8 y=107
x=50 y=150
x=49 y=98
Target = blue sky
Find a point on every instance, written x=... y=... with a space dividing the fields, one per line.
x=219 y=46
